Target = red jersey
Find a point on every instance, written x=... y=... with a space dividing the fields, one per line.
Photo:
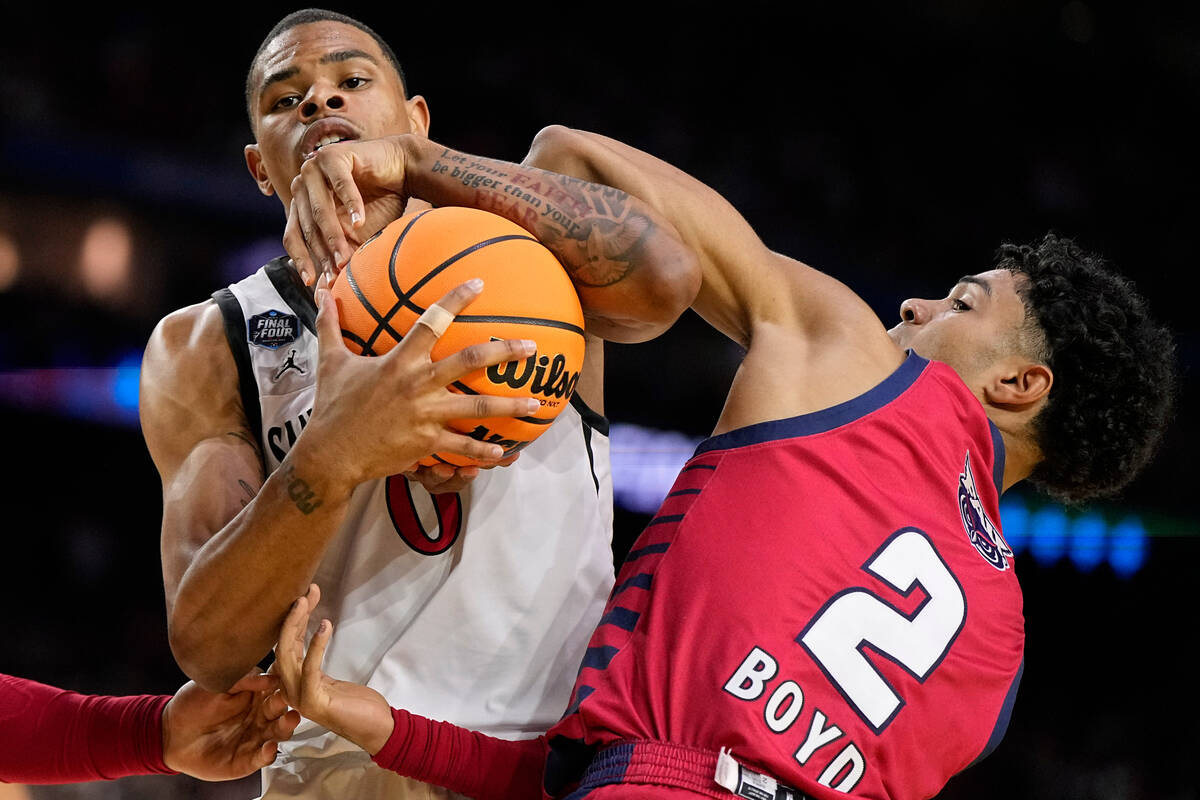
x=827 y=596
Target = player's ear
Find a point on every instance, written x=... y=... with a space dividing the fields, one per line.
x=1021 y=384
x=258 y=170
x=418 y=115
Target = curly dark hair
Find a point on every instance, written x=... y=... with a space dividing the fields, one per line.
x=304 y=17
x=1114 y=369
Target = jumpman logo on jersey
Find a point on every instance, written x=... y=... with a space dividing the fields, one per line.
x=289 y=364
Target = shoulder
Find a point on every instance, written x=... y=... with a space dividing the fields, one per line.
x=189 y=381
x=188 y=346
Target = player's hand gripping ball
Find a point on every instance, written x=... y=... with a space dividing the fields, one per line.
x=394 y=276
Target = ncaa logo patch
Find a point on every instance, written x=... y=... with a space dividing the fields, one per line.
x=273 y=329
x=982 y=532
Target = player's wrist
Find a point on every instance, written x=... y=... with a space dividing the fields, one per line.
x=314 y=477
x=419 y=156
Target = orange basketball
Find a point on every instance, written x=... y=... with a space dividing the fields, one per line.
x=417 y=259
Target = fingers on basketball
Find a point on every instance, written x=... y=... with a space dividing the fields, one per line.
x=425 y=260
x=422 y=336
x=480 y=356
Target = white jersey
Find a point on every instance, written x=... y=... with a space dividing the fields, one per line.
x=473 y=608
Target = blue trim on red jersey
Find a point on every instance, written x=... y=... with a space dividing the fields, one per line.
x=997 y=457
x=661 y=547
x=1003 y=718
x=624 y=618
x=639 y=581
x=826 y=419
x=581 y=694
x=598 y=657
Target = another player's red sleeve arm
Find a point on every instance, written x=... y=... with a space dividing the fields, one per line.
x=464 y=761
x=50 y=735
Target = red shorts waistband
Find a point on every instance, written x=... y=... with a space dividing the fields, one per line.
x=662 y=764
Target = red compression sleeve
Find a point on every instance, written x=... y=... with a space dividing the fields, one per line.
x=50 y=735
x=464 y=761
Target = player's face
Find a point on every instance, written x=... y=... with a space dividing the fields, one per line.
x=972 y=329
x=319 y=83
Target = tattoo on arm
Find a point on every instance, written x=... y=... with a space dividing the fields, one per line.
x=596 y=231
x=249 y=490
x=298 y=489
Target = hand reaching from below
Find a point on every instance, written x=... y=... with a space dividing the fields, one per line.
x=226 y=735
x=353 y=711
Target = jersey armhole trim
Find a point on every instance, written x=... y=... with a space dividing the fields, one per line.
x=591 y=422
x=293 y=291
x=590 y=418
x=235 y=335
x=1003 y=718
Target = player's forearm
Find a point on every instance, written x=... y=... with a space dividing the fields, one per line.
x=237 y=587
x=464 y=761
x=633 y=275
x=730 y=253
x=51 y=735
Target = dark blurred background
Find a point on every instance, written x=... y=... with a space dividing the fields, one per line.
x=892 y=145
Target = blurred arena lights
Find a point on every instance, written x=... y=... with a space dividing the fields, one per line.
x=10 y=261
x=105 y=258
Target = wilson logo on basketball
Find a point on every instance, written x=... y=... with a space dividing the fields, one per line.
x=550 y=376
x=395 y=277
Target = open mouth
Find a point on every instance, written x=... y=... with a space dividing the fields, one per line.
x=327 y=140
x=324 y=133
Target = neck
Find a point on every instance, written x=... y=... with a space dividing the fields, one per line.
x=1021 y=456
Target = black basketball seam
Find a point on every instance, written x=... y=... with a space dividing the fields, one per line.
x=549 y=323
x=396 y=250
x=358 y=340
x=369 y=345
x=433 y=273
x=405 y=298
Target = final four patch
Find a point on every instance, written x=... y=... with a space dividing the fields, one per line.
x=273 y=329
x=982 y=532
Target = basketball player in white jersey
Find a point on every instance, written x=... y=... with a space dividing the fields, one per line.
x=280 y=454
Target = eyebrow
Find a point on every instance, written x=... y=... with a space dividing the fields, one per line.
x=328 y=58
x=987 y=287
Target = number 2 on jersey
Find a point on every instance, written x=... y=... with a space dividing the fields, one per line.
x=857 y=618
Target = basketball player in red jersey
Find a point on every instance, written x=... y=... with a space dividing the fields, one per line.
x=52 y=735
x=825 y=601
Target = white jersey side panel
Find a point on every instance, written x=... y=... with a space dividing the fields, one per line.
x=482 y=623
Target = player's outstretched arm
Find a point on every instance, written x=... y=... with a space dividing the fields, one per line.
x=811 y=341
x=464 y=761
x=238 y=548
x=51 y=735
x=633 y=275
x=745 y=284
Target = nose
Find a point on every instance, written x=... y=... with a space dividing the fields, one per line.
x=321 y=97
x=915 y=311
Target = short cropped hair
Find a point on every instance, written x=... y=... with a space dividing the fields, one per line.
x=1114 y=369
x=304 y=17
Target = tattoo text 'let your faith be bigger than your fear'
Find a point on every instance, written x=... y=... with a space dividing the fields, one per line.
x=598 y=237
